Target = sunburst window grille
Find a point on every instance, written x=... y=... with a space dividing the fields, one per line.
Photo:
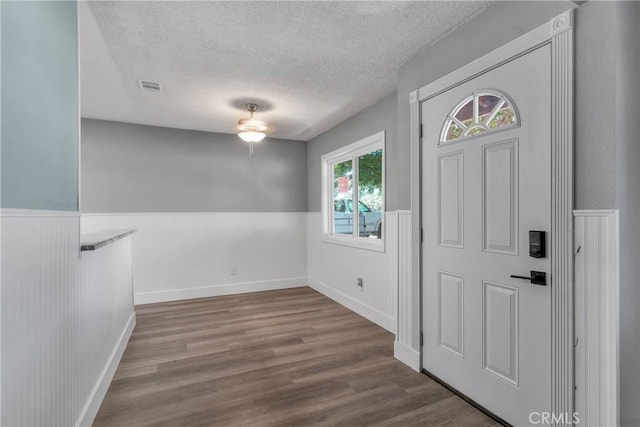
x=480 y=113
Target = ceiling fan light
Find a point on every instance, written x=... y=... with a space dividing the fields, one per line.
x=252 y=130
x=252 y=136
x=252 y=124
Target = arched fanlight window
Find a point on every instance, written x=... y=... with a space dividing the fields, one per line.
x=481 y=112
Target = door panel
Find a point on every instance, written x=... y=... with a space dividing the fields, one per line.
x=485 y=333
x=450 y=192
x=451 y=312
x=500 y=331
x=500 y=197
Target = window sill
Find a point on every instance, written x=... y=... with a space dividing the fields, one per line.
x=355 y=242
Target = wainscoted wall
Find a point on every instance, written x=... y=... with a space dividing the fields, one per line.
x=333 y=270
x=596 y=317
x=192 y=255
x=108 y=318
x=62 y=320
x=41 y=317
x=407 y=345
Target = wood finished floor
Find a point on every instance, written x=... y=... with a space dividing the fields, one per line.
x=280 y=358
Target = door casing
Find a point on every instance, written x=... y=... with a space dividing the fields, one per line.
x=559 y=34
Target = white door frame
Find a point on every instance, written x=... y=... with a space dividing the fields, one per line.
x=559 y=33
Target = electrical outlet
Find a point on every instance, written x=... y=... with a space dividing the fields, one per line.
x=234 y=270
x=359 y=283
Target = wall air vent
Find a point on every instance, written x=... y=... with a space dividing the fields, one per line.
x=150 y=85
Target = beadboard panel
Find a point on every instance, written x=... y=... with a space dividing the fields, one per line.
x=190 y=255
x=109 y=317
x=41 y=317
x=597 y=314
x=333 y=270
x=407 y=344
x=61 y=322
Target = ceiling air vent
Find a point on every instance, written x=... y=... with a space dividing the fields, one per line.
x=150 y=85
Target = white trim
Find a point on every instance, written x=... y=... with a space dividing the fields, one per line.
x=11 y=213
x=376 y=245
x=610 y=349
x=407 y=355
x=89 y=214
x=91 y=407
x=355 y=146
x=559 y=33
x=368 y=312
x=591 y=212
x=414 y=312
x=218 y=290
x=562 y=236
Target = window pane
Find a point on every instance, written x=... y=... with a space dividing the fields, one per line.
x=465 y=114
x=342 y=194
x=370 y=195
x=454 y=131
x=475 y=130
x=486 y=104
x=504 y=117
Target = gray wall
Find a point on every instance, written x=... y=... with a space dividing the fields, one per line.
x=627 y=200
x=381 y=116
x=135 y=168
x=595 y=109
x=39 y=105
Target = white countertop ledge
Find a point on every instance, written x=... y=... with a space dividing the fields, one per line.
x=95 y=241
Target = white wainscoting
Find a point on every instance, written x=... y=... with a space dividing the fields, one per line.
x=406 y=347
x=333 y=270
x=191 y=255
x=107 y=307
x=62 y=325
x=596 y=317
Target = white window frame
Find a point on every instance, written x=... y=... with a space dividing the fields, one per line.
x=351 y=152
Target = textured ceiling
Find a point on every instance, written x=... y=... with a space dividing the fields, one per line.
x=309 y=64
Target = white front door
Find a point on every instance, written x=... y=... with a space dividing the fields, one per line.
x=485 y=333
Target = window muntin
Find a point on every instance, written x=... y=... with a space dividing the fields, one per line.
x=354 y=176
x=479 y=113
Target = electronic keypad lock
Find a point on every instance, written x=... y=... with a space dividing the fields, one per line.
x=537 y=244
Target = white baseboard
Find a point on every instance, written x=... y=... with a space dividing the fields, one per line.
x=96 y=397
x=352 y=304
x=218 y=290
x=407 y=355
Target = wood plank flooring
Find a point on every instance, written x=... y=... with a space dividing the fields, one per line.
x=280 y=358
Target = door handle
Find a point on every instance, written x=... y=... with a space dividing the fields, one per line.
x=536 y=278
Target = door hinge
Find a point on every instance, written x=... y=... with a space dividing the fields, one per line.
x=421 y=339
x=421 y=235
x=420 y=131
